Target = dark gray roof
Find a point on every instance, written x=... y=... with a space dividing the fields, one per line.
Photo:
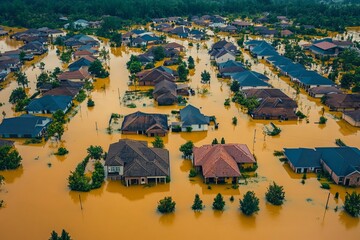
x=138 y=159
x=49 y=103
x=190 y=115
x=303 y=157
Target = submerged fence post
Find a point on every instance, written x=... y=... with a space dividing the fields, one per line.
x=81 y=207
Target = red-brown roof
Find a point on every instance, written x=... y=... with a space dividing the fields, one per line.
x=325 y=45
x=82 y=53
x=81 y=74
x=221 y=160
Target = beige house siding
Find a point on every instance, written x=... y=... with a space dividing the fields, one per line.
x=354 y=179
x=351 y=121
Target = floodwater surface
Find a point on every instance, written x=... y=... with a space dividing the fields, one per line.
x=38 y=200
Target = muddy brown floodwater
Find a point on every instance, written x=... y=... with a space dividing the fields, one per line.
x=39 y=201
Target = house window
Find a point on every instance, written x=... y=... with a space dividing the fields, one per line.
x=341 y=179
x=358 y=179
x=199 y=125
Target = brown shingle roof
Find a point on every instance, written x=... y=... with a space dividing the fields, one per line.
x=145 y=122
x=335 y=101
x=325 y=45
x=81 y=74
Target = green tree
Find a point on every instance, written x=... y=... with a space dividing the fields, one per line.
x=135 y=67
x=182 y=72
x=159 y=53
x=98 y=70
x=54 y=236
x=65 y=56
x=95 y=152
x=166 y=205
x=78 y=182
x=249 y=204
x=64 y=236
x=198 y=203
x=235 y=86
x=21 y=79
x=98 y=175
x=191 y=63
x=187 y=149
x=116 y=38
x=214 y=141
x=205 y=76
x=17 y=95
x=352 y=204
x=222 y=141
x=55 y=129
x=9 y=158
x=219 y=202
x=275 y=194
x=90 y=103
x=59 y=116
x=158 y=142
x=2 y=180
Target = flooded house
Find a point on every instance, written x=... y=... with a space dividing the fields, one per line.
x=319 y=92
x=192 y=119
x=148 y=124
x=24 y=126
x=83 y=62
x=250 y=79
x=79 y=75
x=341 y=163
x=49 y=104
x=342 y=102
x=274 y=104
x=352 y=117
x=154 y=76
x=165 y=93
x=133 y=162
x=221 y=163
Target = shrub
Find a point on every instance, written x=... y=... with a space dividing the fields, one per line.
x=352 y=204
x=227 y=102
x=325 y=186
x=300 y=115
x=61 y=151
x=249 y=204
x=187 y=149
x=192 y=173
x=322 y=120
x=234 y=121
x=166 y=205
x=90 y=103
x=275 y=194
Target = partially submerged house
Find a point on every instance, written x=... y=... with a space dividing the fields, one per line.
x=274 y=104
x=134 y=162
x=154 y=76
x=250 y=79
x=149 y=124
x=341 y=163
x=49 y=104
x=24 y=126
x=80 y=75
x=352 y=117
x=83 y=62
x=222 y=162
x=165 y=93
x=342 y=102
x=228 y=68
x=319 y=92
x=192 y=119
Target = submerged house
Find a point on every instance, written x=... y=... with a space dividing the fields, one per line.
x=154 y=76
x=342 y=102
x=165 y=93
x=222 y=162
x=134 y=162
x=250 y=79
x=145 y=123
x=342 y=163
x=192 y=118
x=25 y=126
x=49 y=104
x=352 y=117
x=273 y=104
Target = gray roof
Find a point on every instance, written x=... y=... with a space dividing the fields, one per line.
x=50 y=103
x=190 y=115
x=138 y=159
x=303 y=157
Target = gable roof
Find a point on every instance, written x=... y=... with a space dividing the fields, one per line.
x=250 y=79
x=325 y=45
x=49 y=103
x=26 y=124
x=343 y=100
x=154 y=76
x=355 y=115
x=303 y=157
x=342 y=160
x=145 y=122
x=221 y=160
x=81 y=74
x=191 y=115
x=84 y=61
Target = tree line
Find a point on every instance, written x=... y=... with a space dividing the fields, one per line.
x=37 y=13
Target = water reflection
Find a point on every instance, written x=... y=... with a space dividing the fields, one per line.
x=274 y=211
x=11 y=175
x=348 y=221
x=167 y=219
x=247 y=221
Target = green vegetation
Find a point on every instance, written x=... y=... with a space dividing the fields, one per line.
x=159 y=53
x=192 y=173
x=191 y=63
x=250 y=103
x=90 y=103
x=198 y=203
x=158 y=142
x=278 y=153
x=352 y=204
x=61 y=151
x=214 y=141
x=18 y=94
x=249 y=204
x=222 y=141
x=187 y=149
x=218 y=203
x=227 y=102
x=77 y=180
x=98 y=70
x=325 y=186
x=64 y=236
x=234 y=121
x=55 y=129
x=134 y=64
x=275 y=194
x=9 y=158
x=182 y=72
x=81 y=96
x=300 y=115
x=205 y=76
x=322 y=120
x=21 y=79
x=339 y=142
x=66 y=56
x=235 y=86
x=95 y=152
x=166 y=205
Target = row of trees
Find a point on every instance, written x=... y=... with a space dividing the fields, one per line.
x=39 y=13
x=248 y=205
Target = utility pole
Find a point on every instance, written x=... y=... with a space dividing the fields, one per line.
x=254 y=140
